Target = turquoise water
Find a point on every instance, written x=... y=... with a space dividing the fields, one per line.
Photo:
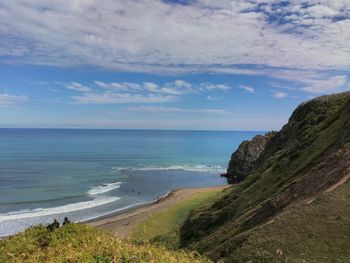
x=83 y=174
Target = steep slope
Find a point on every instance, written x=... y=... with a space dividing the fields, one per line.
x=317 y=232
x=308 y=156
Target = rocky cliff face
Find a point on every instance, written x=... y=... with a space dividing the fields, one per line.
x=244 y=159
x=309 y=156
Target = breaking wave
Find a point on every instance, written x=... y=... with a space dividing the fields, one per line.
x=103 y=188
x=190 y=168
x=58 y=209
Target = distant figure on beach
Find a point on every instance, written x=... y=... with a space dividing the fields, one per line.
x=66 y=221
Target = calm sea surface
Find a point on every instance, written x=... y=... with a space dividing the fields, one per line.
x=83 y=174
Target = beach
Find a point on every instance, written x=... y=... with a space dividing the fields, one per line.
x=120 y=224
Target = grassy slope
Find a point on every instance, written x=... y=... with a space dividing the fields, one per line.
x=315 y=130
x=81 y=243
x=164 y=227
x=317 y=232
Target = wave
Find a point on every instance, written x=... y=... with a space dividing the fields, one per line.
x=43 y=201
x=58 y=209
x=104 y=188
x=190 y=168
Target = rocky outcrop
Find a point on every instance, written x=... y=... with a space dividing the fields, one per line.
x=244 y=159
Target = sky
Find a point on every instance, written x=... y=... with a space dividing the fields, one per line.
x=152 y=64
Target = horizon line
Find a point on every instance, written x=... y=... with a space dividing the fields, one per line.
x=128 y=129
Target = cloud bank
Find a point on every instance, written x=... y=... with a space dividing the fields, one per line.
x=145 y=92
x=12 y=100
x=161 y=36
x=160 y=110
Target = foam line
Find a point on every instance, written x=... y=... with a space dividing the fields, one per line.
x=104 y=188
x=190 y=168
x=58 y=209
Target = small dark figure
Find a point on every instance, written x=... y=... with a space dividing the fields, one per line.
x=55 y=224
x=66 y=221
x=49 y=228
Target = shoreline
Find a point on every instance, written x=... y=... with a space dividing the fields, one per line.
x=128 y=209
x=122 y=222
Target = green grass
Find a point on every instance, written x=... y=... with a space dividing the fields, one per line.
x=81 y=243
x=314 y=233
x=164 y=227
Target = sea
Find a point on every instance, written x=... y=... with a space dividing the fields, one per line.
x=84 y=174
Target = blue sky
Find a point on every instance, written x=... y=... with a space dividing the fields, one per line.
x=208 y=65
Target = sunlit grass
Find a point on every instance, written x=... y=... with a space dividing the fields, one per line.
x=81 y=243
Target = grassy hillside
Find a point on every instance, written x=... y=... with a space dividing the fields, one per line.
x=164 y=227
x=310 y=154
x=316 y=232
x=81 y=243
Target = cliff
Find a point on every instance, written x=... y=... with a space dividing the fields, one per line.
x=244 y=159
x=302 y=170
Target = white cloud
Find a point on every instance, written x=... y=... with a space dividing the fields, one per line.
x=247 y=88
x=77 y=87
x=211 y=87
x=178 y=87
x=320 y=11
x=182 y=83
x=150 y=86
x=213 y=98
x=122 y=86
x=120 y=98
x=12 y=100
x=313 y=81
x=317 y=86
x=165 y=37
x=152 y=109
x=280 y=95
x=146 y=92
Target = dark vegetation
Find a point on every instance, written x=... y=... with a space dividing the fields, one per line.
x=298 y=164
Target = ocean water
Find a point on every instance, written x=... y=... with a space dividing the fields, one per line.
x=84 y=174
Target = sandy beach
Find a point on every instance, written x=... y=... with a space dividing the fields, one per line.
x=121 y=224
